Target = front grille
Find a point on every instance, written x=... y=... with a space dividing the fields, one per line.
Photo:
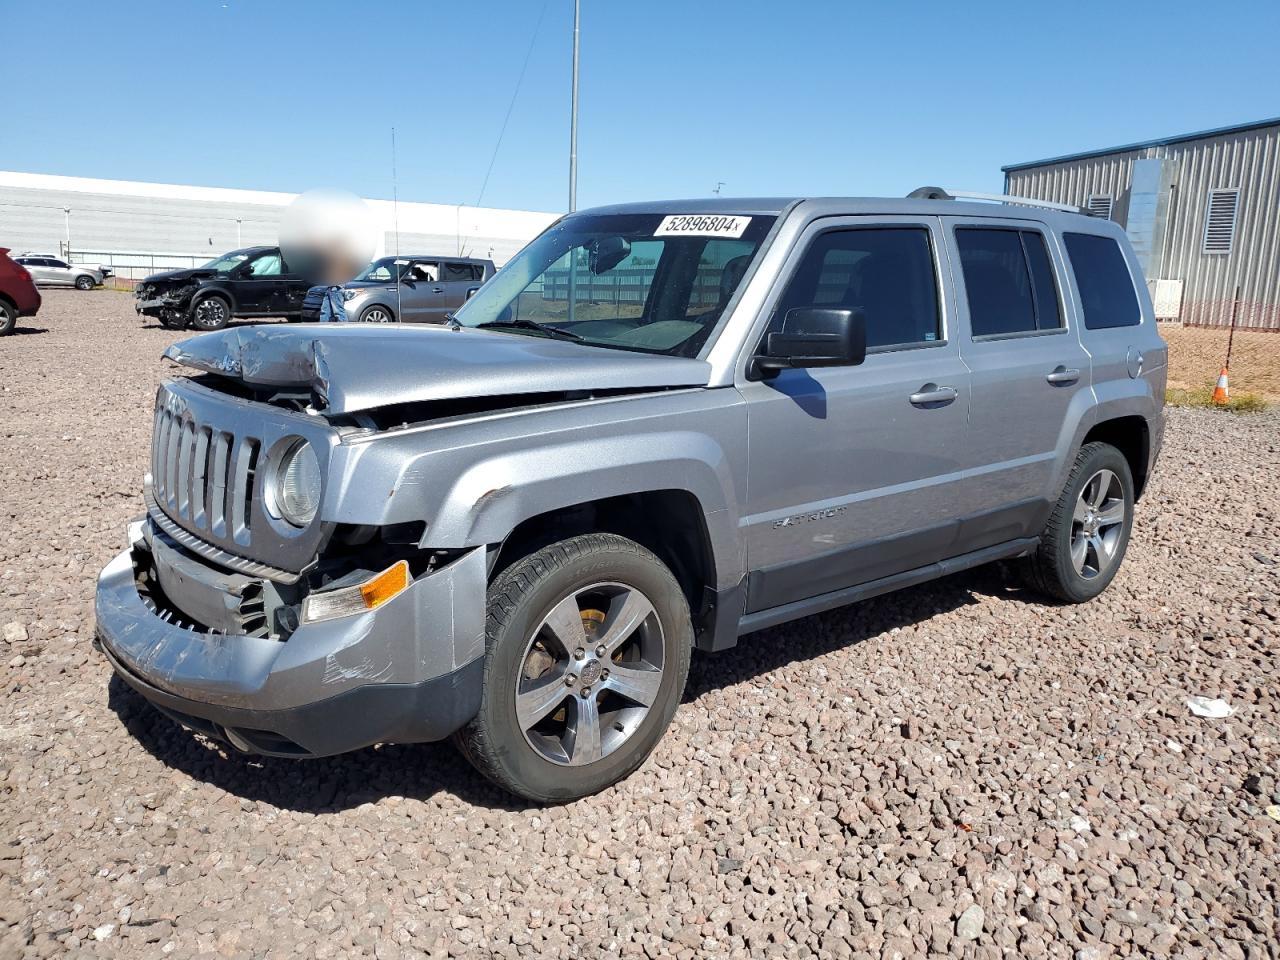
x=202 y=476
x=311 y=304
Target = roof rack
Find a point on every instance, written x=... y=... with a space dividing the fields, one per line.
x=937 y=193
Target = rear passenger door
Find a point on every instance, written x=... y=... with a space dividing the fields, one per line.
x=853 y=472
x=1030 y=374
x=457 y=279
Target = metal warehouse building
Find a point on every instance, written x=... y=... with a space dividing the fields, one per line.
x=1202 y=210
x=138 y=228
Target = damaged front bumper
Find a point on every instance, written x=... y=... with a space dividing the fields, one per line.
x=408 y=671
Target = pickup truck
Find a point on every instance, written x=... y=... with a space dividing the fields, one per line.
x=661 y=427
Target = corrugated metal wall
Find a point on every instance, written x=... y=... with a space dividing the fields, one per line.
x=1248 y=160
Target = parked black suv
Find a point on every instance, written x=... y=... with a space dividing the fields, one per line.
x=249 y=283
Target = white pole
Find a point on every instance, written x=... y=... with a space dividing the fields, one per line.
x=573 y=157
x=66 y=217
x=239 y=242
x=573 y=117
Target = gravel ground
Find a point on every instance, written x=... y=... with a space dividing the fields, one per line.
x=956 y=769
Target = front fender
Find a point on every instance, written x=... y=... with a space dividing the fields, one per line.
x=222 y=290
x=476 y=492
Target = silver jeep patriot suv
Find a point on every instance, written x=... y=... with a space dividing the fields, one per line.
x=660 y=427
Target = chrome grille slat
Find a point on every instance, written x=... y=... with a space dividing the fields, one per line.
x=186 y=446
x=218 y=483
x=199 y=480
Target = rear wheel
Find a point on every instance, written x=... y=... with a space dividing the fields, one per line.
x=8 y=317
x=211 y=313
x=84 y=283
x=586 y=658
x=1085 y=540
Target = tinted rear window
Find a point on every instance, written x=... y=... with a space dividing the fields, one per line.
x=1008 y=281
x=1102 y=276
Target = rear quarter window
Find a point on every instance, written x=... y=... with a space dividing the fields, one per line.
x=1103 y=279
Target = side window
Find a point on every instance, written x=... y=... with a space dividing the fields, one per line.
x=460 y=271
x=267 y=265
x=1104 y=281
x=1008 y=281
x=886 y=272
x=423 y=271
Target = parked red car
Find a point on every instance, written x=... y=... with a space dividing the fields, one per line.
x=18 y=294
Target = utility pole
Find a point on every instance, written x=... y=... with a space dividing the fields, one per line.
x=66 y=218
x=239 y=242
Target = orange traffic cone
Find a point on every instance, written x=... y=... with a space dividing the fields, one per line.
x=1221 y=395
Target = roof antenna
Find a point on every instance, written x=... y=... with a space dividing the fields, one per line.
x=395 y=226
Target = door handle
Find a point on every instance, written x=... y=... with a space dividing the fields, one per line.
x=1062 y=375
x=437 y=289
x=931 y=395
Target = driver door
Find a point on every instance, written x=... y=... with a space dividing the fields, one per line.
x=257 y=284
x=856 y=473
x=421 y=293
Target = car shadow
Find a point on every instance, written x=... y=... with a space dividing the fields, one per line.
x=767 y=650
x=420 y=771
x=27 y=331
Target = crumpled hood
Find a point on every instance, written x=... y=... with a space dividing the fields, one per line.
x=361 y=367
x=177 y=276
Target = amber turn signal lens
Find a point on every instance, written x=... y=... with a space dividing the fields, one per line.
x=345 y=601
x=385 y=585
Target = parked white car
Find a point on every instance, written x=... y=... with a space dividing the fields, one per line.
x=50 y=271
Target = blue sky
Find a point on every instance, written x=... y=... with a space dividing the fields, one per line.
x=794 y=97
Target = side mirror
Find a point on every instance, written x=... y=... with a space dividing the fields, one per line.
x=814 y=337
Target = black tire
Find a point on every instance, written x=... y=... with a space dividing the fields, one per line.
x=367 y=314
x=520 y=599
x=209 y=313
x=1052 y=569
x=84 y=283
x=8 y=317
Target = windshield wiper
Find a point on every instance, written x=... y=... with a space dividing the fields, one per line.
x=527 y=324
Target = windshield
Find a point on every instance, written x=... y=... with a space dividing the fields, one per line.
x=647 y=282
x=228 y=261
x=382 y=269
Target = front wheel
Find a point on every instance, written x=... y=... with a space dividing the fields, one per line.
x=586 y=657
x=84 y=283
x=1085 y=540
x=377 y=313
x=211 y=313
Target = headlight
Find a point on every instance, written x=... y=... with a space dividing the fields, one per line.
x=297 y=485
x=352 y=294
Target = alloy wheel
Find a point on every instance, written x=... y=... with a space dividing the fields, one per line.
x=1097 y=524
x=211 y=313
x=590 y=673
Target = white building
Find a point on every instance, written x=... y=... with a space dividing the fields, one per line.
x=137 y=228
